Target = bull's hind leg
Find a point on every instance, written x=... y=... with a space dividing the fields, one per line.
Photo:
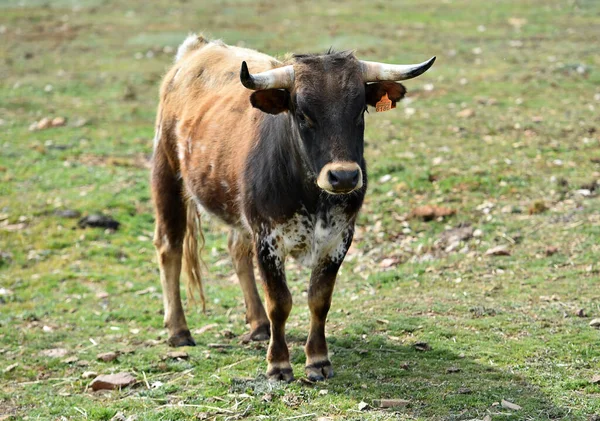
x=168 y=240
x=241 y=251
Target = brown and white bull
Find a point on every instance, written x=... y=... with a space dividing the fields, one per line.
x=279 y=158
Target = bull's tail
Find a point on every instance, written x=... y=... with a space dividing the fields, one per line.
x=193 y=244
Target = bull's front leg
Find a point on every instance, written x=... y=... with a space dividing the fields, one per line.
x=271 y=262
x=322 y=280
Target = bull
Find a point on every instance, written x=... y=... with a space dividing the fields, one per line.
x=275 y=150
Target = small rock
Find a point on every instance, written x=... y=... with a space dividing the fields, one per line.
x=112 y=381
x=551 y=250
x=392 y=403
x=538 y=207
x=44 y=123
x=595 y=379
x=451 y=370
x=549 y=298
x=464 y=391
x=54 y=352
x=219 y=346
x=107 y=356
x=422 y=346
x=145 y=291
x=584 y=192
x=363 y=406
x=498 y=251
x=227 y=333
x=581 y=313
x=98 y=221
x=89 y=374
x=509 y=405
x=70 y=360
x=205 y=328
x=431 y=212
x=595 y=323
x=67 y=213
x=466 y=113
x=517 y=22
x=58 y=121
x=481 y=311
x=177 y=355
x=388 y=262
x=10 y=368
x=455 y=235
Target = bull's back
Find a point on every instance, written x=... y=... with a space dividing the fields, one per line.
x=206 y=115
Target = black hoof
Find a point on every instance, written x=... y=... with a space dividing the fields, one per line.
x=261 y=333
x=183 y=338
x=280 y=374
x=319 y=371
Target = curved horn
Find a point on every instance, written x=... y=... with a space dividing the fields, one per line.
x=279 y=78
x=374 y=71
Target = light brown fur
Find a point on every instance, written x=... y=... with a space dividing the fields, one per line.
x=200 y=95
x=197 y=163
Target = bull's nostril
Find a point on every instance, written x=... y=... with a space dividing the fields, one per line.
x=333 y=179
x=342 y=180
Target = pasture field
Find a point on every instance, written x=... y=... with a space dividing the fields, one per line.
x=504 y=130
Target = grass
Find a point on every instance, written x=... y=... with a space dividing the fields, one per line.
x=499 y=327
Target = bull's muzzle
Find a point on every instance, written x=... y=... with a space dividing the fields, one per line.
x=340 y=177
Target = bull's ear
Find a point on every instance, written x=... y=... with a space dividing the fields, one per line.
x=272 y=101
x=375 y=91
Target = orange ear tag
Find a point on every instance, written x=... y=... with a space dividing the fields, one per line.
x=384 y=104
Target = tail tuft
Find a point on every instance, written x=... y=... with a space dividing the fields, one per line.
x=193 y=244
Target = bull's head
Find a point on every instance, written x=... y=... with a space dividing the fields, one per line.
x=326 y=97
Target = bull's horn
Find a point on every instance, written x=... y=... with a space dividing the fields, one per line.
x=374 y=71
x=279 y=78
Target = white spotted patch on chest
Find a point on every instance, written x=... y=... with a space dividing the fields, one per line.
x=311 y=238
